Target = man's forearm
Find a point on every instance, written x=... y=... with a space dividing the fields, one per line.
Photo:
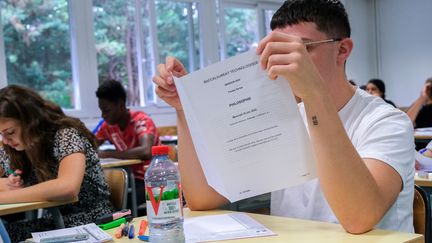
x=346 y=181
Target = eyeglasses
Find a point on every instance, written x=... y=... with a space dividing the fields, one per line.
x=309 y=44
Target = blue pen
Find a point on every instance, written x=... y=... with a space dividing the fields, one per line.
x=125 y=230
x=98 y=126
x=131 y=232
x=143 y=237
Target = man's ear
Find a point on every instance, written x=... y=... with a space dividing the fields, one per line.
x=345 y=47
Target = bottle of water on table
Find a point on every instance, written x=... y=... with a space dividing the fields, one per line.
x=164 y=198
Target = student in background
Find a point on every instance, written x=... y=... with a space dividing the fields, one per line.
x=363 y=147
x=376 y=87
x=133 y=133
x=53 y=157
x=420 y=111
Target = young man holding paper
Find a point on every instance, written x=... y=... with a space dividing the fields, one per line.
x=364 y=148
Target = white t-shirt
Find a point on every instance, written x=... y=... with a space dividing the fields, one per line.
x=379 y=131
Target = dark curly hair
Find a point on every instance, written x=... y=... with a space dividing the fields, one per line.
x=329 y=16
x=111 y=90
x=39 y=119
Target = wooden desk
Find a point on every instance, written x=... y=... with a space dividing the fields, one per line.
x=422 y=136
x=423 y=182
x=110 y=163
x=12 y=208
x=125 y=163
x=296 y=230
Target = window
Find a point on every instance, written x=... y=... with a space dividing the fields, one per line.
x=116 y=44
x=37 y=48
x=178 y=32
x=64 y=48
x=240 y=29
x=268 y=14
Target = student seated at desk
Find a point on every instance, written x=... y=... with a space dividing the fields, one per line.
x=47 y=155
x=420 y=112
x=364 y=148
x=376 y=87
x=133 y=133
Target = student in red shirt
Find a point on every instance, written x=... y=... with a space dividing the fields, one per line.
x=133 y=133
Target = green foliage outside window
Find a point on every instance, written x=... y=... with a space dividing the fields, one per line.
x=240 y=30
x=37 y=49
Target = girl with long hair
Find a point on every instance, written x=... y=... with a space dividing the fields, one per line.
x=47 y=155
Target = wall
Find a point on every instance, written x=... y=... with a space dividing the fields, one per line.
x=362 y=64
x=405 y=47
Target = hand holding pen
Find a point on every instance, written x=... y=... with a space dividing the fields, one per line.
x=14 y=180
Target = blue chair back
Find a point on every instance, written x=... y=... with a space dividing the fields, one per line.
x=3 y=233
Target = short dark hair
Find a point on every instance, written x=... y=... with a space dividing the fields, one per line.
x=329 y=16
x=111 y=90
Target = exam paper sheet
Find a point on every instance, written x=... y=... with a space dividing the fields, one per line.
x=246 y=128
x=96 y=234
x=223 y=227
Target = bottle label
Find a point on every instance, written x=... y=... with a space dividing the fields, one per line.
x=164 y=203
x=168 y=210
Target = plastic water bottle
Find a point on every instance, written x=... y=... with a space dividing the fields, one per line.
x=164 y=198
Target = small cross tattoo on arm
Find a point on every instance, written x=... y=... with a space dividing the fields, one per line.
x=315 y=120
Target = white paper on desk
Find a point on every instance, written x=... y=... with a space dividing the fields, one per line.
x=424 y=131
x=246 y=128
x=96 y=234
x=223 y=227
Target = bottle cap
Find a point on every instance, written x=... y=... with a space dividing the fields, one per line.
x=160 y=150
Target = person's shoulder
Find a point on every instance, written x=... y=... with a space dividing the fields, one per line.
x=66 y=132
x=375 y=109
x=139 y=115
x=391 y=103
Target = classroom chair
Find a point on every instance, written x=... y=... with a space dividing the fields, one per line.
x=3 y=233
x=117 y=180
x=422 y=213
x=169 y=131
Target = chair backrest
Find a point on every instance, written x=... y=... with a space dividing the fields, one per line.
x=117 y=179
x=167 y=130
x=422 y=213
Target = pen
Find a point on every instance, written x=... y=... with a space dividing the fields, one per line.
x=125 y=229
x=143 y=237
x=65 y=238
x=90 y=233
x=118 y=233
x=143 y=227
x=131 y=232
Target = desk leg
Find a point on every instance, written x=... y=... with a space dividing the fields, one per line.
x=58 y=218
x=133 y=191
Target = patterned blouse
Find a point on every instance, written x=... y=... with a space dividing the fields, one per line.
x=94 y=196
